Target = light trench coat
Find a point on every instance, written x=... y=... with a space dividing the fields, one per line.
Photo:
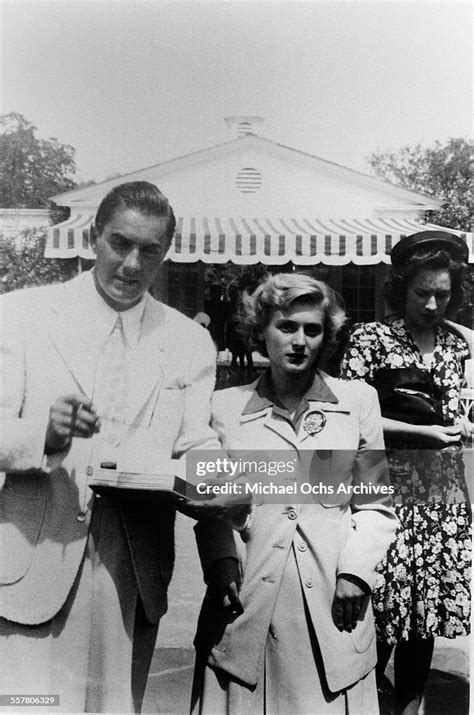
x=342 y=534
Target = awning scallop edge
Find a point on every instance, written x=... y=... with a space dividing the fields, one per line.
x=247 y=241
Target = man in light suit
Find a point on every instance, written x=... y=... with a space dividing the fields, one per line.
x=83 y=579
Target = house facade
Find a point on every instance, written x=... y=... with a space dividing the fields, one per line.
x=250 y=200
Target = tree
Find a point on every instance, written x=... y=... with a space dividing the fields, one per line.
x=22 y=262
x=229 y=276
x=31 y=169
x=443 y=170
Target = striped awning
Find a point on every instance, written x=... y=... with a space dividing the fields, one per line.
x=270 y=241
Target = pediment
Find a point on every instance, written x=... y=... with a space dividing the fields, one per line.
x=253 y=173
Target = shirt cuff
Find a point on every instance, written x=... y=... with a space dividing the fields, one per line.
x=357 y=582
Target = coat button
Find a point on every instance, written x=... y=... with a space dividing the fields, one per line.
x=292 y=514
x=89 y=471
x=81 y=516
x=310 y=583
x=302 y=546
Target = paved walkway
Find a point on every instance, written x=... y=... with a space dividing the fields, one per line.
x=169 y=685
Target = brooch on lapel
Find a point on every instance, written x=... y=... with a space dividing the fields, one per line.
x=314 y=422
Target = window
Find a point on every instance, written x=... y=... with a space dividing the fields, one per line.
x=185 y=288
x=358 y=292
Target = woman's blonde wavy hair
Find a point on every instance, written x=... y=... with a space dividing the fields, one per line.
x=280 y=292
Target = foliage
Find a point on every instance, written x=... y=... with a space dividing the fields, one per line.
x=22 y=262
x=443 y=170
x=229 y=276
x=31 y=169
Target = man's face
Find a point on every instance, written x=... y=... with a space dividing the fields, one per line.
x=129 y=252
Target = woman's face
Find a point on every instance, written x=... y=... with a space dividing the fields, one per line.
x=428 y=296
x=294 y=338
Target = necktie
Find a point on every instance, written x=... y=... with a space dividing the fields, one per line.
x=110 y=394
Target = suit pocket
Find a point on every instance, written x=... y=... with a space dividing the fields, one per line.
x=21 y=517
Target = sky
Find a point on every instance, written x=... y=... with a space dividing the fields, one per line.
x=131 y=84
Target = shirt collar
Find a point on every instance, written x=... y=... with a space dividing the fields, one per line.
x=105 y=317
x=264 y=396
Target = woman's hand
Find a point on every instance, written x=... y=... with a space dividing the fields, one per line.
x=349 y=604
x=467 y=428
x=444 y=435
x=433 y=436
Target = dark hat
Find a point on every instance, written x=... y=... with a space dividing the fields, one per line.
x=443 y=240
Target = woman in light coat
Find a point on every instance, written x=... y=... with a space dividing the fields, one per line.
x=305 y=641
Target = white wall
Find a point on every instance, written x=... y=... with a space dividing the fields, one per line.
x=289 y=189
x=14 y=220
x=293 y=185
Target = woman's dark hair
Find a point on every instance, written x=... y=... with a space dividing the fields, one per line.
x=140 y=196
x=400 y=277
x=281 y=292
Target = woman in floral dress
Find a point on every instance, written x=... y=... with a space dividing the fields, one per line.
x=424 y=582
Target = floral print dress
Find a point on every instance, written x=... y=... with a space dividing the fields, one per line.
x=424 y=582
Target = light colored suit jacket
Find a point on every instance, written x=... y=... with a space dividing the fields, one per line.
x=346 y=534
x=48 y=348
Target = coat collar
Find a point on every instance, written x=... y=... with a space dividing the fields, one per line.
x=264 y=396
x=263 y=404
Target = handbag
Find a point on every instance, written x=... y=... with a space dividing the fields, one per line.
x=408 y=394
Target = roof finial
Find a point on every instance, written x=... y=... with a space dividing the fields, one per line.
x=240 y=126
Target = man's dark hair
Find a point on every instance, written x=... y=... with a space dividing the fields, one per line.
x=140 y=196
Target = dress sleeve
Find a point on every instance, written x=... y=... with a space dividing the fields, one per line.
x=361 y=357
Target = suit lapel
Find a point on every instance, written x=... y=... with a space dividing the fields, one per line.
x=146 y=366
x=69 y=332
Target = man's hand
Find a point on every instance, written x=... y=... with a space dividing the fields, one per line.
x=348 y=604
x=233 y=507
x=224 y=579
x=72 y=415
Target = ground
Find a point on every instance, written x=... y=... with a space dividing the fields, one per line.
x=169 y=686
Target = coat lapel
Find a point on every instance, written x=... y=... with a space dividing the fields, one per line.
x=341 y=407
x=282 y=428
x=275 y=423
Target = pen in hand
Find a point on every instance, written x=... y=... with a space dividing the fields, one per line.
x=71 y=415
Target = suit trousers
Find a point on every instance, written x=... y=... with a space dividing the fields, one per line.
x=96 y=652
